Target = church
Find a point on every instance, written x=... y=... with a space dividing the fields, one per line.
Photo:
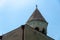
x=34 y=29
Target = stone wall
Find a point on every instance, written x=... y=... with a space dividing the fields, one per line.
x=31 y=34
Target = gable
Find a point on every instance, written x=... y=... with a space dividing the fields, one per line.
x=29 y=34
x=13 y=35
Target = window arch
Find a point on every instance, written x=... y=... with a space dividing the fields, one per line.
x=43 y=31
x=36 y=28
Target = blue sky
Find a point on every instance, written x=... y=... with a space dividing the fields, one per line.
x=14 y=13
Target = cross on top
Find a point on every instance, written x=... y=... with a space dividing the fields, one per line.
x=36 y=6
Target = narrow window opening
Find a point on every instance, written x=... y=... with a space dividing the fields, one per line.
x=37 y=28
x=43 y=31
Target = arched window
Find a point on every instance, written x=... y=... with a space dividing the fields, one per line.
x=36 y=28
x=43 y=31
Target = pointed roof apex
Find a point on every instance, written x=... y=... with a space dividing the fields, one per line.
x=37 y=16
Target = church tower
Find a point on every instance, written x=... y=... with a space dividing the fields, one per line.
x=38 y=22
x=34 y=29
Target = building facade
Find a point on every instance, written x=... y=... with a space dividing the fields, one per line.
x=34 y=29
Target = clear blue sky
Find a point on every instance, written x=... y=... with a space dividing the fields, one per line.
x=14 y=13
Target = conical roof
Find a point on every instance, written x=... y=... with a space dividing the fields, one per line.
x=37 y=16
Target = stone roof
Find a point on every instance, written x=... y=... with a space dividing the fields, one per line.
x=29 y=34
x=36 y=16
